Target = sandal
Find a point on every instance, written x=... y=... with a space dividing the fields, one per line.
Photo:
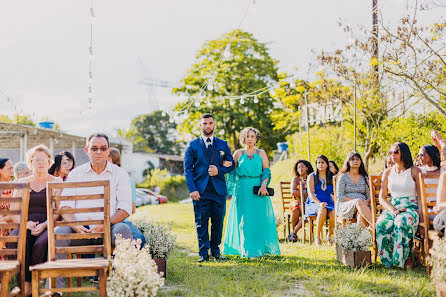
x=292 y=237
x=330 y=240
x=318 y=241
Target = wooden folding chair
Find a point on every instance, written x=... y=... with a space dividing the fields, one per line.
x=79 y=267
x=287 y=197
x=428 y=198
x=377 y=208
x=9 y=267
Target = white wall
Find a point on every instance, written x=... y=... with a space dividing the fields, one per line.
x=135 y=163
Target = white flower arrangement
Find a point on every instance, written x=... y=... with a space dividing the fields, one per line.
x=438 y=261
x=133 y=272
x=159 y=239
x=353 y=237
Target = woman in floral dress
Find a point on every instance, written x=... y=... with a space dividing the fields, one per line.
x=397 y=225
x=6 y=175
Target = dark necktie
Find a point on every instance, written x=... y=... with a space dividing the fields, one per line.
x=209 y=145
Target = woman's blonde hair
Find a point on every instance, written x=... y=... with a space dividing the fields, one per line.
x=38 y=148
x=244 y=134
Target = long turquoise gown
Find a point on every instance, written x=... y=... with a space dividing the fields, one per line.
x=251 y=226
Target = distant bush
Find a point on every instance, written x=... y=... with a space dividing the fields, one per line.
x=174 y=188
x=155 y=178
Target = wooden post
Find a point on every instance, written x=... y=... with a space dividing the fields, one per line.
x=354 y=112
x=308 y=127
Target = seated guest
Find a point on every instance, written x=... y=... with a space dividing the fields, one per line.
x=333 y=167
x=21 y=170
x=302 y=169
x=6 y=170
x=63 y=164
x=320 y=198
x=39 y=160
x=429 y=158
x=353 y=194
x=440 y=219
x=398 y=224
x=115 y=158
x=98 y=150
x=6 y=175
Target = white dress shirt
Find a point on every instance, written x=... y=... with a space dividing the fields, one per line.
x=120 y=190
x=205 y=138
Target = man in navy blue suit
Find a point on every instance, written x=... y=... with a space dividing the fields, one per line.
x=205 y=178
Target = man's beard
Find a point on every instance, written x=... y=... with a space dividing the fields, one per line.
x=207 y=133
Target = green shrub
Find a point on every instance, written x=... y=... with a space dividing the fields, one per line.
x=155 y=178
x=175 y=188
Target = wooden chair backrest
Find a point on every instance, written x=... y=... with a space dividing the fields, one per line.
x=429 y=200
x=56 y=194
x=7 y=190
x=287 y=196
x=335 y=181
x=375 y=188
x=302 y=197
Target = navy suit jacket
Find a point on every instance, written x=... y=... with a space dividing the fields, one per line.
x=197 y=161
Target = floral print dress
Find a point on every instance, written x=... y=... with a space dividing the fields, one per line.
x=394 y=233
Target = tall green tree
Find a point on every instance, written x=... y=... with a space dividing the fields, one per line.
x=154 y=132
x=231 y=71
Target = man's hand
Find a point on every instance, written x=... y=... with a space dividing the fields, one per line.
x=213 y=170
x=38 y=229
x=195 y=195
x=97 y=229
x=30 y=225
x=80 y=229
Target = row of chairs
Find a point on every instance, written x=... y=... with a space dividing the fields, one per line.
x=428 y=196
x=71 y=267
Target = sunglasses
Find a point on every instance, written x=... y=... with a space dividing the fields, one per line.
x=102 y=148
x=395 y=152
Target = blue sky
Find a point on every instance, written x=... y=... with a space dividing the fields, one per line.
x=44 y=49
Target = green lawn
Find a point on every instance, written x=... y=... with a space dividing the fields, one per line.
x=302 y=270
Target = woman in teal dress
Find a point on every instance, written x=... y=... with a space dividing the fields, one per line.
x=251 y=226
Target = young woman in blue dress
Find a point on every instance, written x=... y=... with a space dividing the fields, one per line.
x=320 y=198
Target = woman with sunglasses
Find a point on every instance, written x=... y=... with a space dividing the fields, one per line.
x=397 y=225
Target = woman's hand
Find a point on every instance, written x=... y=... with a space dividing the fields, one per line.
x=227 y=163
x=263 y=191
x=30 y=225
x=322 y=204
x=37 y=230
x=398 y=211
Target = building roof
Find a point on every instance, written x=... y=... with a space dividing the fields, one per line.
x=11 y=134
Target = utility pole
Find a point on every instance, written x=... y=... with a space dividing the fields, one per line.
x=375 y=38
x=354 y=125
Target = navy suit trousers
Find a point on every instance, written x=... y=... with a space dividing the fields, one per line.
x=213 y=207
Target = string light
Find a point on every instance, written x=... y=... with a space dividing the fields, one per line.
x=91 y=57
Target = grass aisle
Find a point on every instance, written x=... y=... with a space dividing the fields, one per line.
x=302 y=270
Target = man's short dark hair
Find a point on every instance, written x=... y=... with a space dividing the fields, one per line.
x=103 y=135
x=207 y=116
